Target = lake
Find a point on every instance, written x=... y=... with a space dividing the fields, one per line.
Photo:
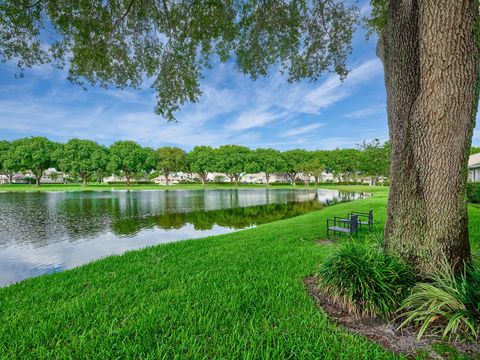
x=45 y=232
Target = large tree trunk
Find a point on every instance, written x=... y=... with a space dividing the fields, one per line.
x=430 y=58
x=267 y=178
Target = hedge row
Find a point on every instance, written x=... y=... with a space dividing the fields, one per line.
x=473 y=192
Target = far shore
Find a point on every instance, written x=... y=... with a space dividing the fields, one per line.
x=191 y=186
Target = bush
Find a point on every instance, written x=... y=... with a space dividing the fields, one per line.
x=365 y=280
x=449 y=305
x=473 y=192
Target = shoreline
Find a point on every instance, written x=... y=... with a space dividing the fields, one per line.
x=21 y=188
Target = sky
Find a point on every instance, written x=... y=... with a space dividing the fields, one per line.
x=233 y=109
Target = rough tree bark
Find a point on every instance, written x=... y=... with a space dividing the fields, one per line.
x=430 y=58
x=267 y=178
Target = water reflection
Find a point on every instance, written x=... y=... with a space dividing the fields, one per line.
x=46 y=232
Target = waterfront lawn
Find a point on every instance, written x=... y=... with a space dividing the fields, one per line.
x=239 y=295
x=192 y=186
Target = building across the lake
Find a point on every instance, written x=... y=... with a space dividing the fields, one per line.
x=50 y=176
x=474 y=168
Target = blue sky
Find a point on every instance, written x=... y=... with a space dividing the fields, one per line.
x=233 y=109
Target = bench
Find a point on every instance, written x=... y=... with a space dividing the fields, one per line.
x=342 y=225
x=364 y=218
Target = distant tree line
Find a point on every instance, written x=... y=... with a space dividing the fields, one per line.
x=86 y=160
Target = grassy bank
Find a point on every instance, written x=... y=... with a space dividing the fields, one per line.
x=239 y=295
x=105 y=187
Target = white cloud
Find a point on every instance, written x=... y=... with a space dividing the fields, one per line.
x=232 y=109
x=333 y=89
x=301 y=130
x=248 y=120
x=368 y=111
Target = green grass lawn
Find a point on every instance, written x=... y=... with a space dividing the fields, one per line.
x=97 y=187
x=239 y=295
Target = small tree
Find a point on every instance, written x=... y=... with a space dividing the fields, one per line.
x=100 y=174
x=219 y=179
x=315 y=166
x=82 y=158
x=344 y=163
x=201 y=161
x=231 y=160
x=54 y=176
x=294 y=159
x=169 y=160
x=375 y=159
x=35 y=154
x=128 y=158
x=8 y=163
x=270 y=161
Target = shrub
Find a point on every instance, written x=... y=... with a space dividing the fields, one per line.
x=365 y=280
x=219 y=179
x=449 y=305
x=473 y=192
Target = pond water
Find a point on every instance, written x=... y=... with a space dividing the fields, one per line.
x=45 y=232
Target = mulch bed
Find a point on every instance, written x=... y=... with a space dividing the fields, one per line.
x=386 y=335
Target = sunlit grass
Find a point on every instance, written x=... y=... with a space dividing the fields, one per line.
x=239 y=295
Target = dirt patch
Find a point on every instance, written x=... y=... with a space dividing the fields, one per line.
x=324 y=242
x=386 y=335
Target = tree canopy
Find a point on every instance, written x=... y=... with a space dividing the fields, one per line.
x=35 y=154
x=9 y=163
x=231 y=161
x=201 y=161
x=270 y=161
x=315 y=165
x=169 y=160
x=375 y=159
x=125 y=42
x=86 y=159
x=82 y=158
x=128 y=158
x=294 y=161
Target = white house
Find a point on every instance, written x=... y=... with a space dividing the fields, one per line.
x=215 y=176
x=3 y=179
x=474 y=168
x=50 y=176
x=172 y=179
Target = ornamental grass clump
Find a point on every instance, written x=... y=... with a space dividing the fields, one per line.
x=365 y=280
x=448 y=305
